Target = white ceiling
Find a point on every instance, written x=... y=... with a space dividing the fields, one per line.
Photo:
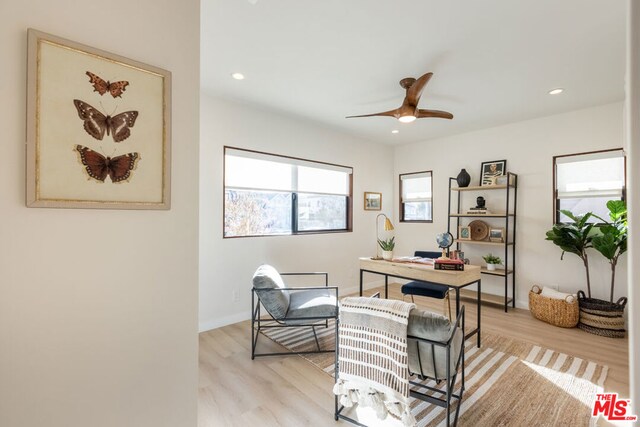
x=493 y=60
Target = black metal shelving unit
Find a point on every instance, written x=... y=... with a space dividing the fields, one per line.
x=508 y=246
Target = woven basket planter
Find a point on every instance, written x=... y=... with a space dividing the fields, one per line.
x=601 y=317
x=562 y=313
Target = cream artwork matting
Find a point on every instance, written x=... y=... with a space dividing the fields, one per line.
x=98 y=128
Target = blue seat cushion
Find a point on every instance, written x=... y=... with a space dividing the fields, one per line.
x=425 y=289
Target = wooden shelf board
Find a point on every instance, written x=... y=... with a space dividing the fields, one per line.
x=482 y=242
x=493 y=215
x=484 y=297
x=499 y=272
x=481 y=188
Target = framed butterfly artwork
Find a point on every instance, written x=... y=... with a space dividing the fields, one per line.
x=98 y=128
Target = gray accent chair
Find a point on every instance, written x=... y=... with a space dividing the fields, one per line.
x=435 y=350
x=290 y=307
x=435 y=347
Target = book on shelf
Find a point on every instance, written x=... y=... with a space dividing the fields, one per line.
x=478 y=211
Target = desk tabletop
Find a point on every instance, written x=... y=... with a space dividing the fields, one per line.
x=424 y=272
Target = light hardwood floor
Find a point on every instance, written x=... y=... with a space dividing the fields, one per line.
x=289 y=391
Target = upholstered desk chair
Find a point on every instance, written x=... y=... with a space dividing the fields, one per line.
x=290 y=307
x=428 y=289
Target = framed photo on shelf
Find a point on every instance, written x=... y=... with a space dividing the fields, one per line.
x=496 y=235
x=464 y=232
x=372 y=201
x=490 y=171
x=98 y=128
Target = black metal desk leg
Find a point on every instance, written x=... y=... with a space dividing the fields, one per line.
x=479 y=306
x=361 y=276
x=457 y=301
x=386 y=286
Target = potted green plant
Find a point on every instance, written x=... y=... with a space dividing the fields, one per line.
x=605 y=318
x=611 y=242
x=492 y=261
x=387 y=247
x=574 y=237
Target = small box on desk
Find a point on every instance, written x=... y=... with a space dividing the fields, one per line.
x=448 y=264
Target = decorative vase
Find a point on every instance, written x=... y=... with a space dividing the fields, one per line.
x=387 y=255
x=463 y=178
x=491 y=267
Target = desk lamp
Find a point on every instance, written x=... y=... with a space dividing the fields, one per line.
x=388 y=226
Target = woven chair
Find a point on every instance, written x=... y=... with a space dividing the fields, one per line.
x=428 y=289
x=290 y=307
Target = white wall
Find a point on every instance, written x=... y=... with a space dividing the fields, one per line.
x=98 y=308
x=632 y=127
x=227 y=265
x=528 y=147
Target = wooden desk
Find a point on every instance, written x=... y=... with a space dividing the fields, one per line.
x=455 y=280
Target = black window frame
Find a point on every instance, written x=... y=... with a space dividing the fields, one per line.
x=556 y=200
x=294 y=198
x=402 y=209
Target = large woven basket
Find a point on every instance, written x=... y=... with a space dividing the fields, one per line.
x=601 y=317
x=558 y=312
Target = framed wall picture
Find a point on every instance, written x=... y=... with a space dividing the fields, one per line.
x=372 y=201
x=98 y=128
x=464 y=233
x=490 y=171
x=496 y=235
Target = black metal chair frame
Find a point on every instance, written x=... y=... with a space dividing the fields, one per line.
x=450 y=379
x=257 y=323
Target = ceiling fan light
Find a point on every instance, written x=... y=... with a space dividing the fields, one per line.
x=407 y=119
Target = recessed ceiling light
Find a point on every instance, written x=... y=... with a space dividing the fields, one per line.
x=395 y=131
x=238 y=76
x=556 y=91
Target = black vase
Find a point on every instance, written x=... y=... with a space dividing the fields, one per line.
x=463 y=178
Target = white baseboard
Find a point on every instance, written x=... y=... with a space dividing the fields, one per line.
x=240 y=317
x=356 y=289
x=224 y=321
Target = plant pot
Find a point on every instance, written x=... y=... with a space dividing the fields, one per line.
x=463 y=178
x=601 y=317
x=491 y=267
x=387 y=255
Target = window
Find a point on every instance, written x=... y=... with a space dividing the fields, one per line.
x=415 y=197
x=266 y=194
x=584 y=182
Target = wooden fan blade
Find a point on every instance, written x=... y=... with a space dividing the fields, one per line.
x=415 y=91
x=392 y=113
x=434 y=113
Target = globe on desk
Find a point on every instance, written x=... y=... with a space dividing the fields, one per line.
x=444 y=241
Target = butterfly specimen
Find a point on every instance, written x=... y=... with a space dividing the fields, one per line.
x=96 y=123
x=98 y=166
x=100 y=86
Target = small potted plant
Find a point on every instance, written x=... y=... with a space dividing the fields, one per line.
x=492 y=261
x=387 y=248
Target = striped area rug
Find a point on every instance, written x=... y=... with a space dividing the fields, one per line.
x=508 y=382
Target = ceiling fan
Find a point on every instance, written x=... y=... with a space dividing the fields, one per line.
x=409 y=110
